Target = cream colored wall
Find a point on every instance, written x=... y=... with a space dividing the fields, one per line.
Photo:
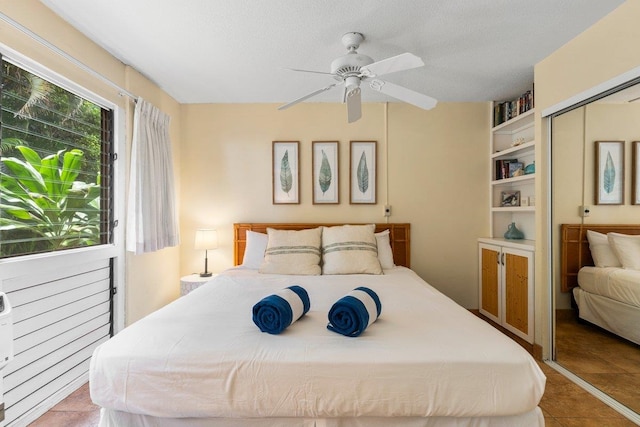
x=151 y=280
x=435 y=167
x=574 y=135
x=602 y=52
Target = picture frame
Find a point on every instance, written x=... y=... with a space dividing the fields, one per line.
x=362 y=172
x=635 y=173
x=509 y=199
x=609 y=168
x=286 y=175
x=516 y=169
x=325 y=172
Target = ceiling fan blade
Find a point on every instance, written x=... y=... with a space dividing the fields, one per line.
x=354 y=105
x=403 y=94
x=405 y=61
x=307 y=96
x=310 y=71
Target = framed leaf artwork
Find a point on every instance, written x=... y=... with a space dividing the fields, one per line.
x=609 y=169
x=324 y=158
x=286 y=175
x=362 y=172
x=635 y=174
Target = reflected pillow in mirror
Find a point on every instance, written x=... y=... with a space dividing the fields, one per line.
x=601 y=251
x=627 y=248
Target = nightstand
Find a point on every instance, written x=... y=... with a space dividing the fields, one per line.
x=191 y=282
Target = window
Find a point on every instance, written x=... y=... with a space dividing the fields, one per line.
x=56 y=166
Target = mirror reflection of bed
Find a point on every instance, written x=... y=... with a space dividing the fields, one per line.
x=597 y=327
x=598 y=339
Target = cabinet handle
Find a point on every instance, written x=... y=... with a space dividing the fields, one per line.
x=502 y=258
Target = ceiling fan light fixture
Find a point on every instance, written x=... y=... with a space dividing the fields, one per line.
x=352 y=83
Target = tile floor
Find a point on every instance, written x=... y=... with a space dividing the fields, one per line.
x=563 y=404
x=610 y=363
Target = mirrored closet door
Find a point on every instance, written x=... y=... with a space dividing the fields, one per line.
x=592 y=150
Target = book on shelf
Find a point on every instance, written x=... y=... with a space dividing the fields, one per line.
x=502 y=168
x=503 y=111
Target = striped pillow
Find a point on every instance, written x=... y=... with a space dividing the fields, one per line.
x=292 y=252
x=350 y=249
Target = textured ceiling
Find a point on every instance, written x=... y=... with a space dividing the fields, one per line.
x=236 y=51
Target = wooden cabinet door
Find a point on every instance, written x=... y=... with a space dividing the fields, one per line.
x=518 y=292
x=490 y=281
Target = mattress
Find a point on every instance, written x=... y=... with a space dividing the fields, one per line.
x=202 y=357
x=619 y=284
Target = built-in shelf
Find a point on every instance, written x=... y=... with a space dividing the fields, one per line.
x=527 y=146
x=513 y=209
x=516 y=179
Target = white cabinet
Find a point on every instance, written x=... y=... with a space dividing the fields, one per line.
x=506 y=285
x=513 y=197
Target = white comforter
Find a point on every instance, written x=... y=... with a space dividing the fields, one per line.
x=202 y=356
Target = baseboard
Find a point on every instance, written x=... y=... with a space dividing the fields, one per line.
x=534 y=349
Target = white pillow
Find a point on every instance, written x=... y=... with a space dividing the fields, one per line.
x=256 y=244
x=293 y=252
x=601 y=251
x=350 y=249
x=385 y=254
x=627 y=248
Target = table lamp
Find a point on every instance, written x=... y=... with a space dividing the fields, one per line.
x=206 y=239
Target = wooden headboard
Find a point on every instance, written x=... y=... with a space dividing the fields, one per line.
x=574 y=249
x=399 y=235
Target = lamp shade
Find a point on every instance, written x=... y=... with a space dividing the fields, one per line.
x=206 y=239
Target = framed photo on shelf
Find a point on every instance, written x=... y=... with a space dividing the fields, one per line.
x=324 y=158
x=635 y=173
x=509 y=199
x=286 y=175
x=362 y=172
x=609 y=169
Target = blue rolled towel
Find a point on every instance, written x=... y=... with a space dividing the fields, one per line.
x=354 y=312
x=275 y=312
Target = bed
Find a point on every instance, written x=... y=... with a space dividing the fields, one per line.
x=607 y=296
x=200 y=361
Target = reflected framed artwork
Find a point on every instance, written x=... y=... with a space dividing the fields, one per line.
x=609 y=170
x=286 y=175
x=325 y=161
x=362 y=172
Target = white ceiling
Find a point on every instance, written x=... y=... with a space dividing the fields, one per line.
x=236 y=51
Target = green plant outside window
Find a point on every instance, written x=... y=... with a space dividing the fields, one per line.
x=55 y=167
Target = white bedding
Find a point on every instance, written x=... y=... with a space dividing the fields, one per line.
x=617 y=283
x=201 y=356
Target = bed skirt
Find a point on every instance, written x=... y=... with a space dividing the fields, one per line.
x=614 y=316
x=111 y=418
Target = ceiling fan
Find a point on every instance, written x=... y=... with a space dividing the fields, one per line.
x=354 y=68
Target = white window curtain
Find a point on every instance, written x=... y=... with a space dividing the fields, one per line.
x=152 y=222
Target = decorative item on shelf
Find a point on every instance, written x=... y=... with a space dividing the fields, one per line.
x=517 y=141
x=516 y=169
x=530 y=168
x=509 y=199
x=206 y=239
x=513 y=233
